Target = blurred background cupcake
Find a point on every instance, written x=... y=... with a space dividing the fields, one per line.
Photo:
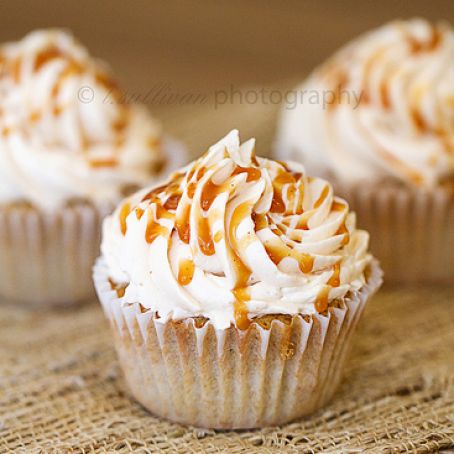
x=233 y=290
x=378 y=119
x=70 y=149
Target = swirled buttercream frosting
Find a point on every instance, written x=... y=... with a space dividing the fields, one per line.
x=234 y=236
x=382 y=107
x=64 y=131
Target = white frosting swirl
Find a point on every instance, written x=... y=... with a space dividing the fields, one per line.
x=390 y=111
x=232 y=237
x=64 y=132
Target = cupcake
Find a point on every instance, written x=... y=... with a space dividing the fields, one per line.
x=69 y=149
x=233 y=289
x=377 y=119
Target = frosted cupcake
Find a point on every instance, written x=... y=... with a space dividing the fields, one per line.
x=233 y=289
x=378 y=120
x=69 y=149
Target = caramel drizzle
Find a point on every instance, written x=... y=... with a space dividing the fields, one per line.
x=120 y=289
x=428 y=45
x=154 y=229
x=73 y=67
x=46 y=55
x=321 y=303
x=124 y=213
x=242 y=271
x=186 y=270
x=277 y=250
x=168 y=201
x=322 y=197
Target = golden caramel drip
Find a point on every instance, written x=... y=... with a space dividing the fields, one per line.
x=106 y=81
x=154 y=142
x=277 y=204
x=344 y=231
x=242 y=271
x=120 y=124
x=334 y=280
x=321 y=303
x=285 y=178
x=253 y=174
x=57 y=110
x=162 y=212
x=240 y=312
x=322 y=197
x=429 y=45
x=211 y=190
x=119 y=288
x=303 y=220
x=71 y=69
x=15 y=69
x=172 y=202
x=100 y=163
x=46 y=56
x=276 y=248
x=285 y=166
x=186 y=270
x=200 y=173
x=291 y=194
x=418 y=120
x=139 y=213
x=338 y=206
x=260 y=221
x=340 y=84
x=209 y=193
x=182 y=225
x=191 y=190
x=277 y=251
x=35 y=117
x=154 y=229
x=152 y=195
x=384 y=95
x=124 y=212
x=205 y=241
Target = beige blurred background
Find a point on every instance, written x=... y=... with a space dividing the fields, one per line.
x=200 y=47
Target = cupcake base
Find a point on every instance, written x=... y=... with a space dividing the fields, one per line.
x=271 y=373
x=411 y=231
x=46 y=258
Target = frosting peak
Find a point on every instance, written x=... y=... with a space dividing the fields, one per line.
x=391 y=113
x=64 y=132
x=233 y=236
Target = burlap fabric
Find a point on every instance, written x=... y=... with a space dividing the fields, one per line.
x=61 y=389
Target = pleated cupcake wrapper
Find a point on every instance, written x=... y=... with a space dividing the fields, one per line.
x=411 y=231
x=228 y=378
x=47 y=258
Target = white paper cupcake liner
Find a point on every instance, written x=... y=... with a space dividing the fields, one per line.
x=231 y=378
x=46 y=258
x=411 y=231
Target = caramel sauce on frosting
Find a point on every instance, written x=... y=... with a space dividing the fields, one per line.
x=390 y=113
x=216 y=243
x=63 y=113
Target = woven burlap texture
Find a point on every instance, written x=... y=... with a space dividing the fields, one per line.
x=61 y=389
